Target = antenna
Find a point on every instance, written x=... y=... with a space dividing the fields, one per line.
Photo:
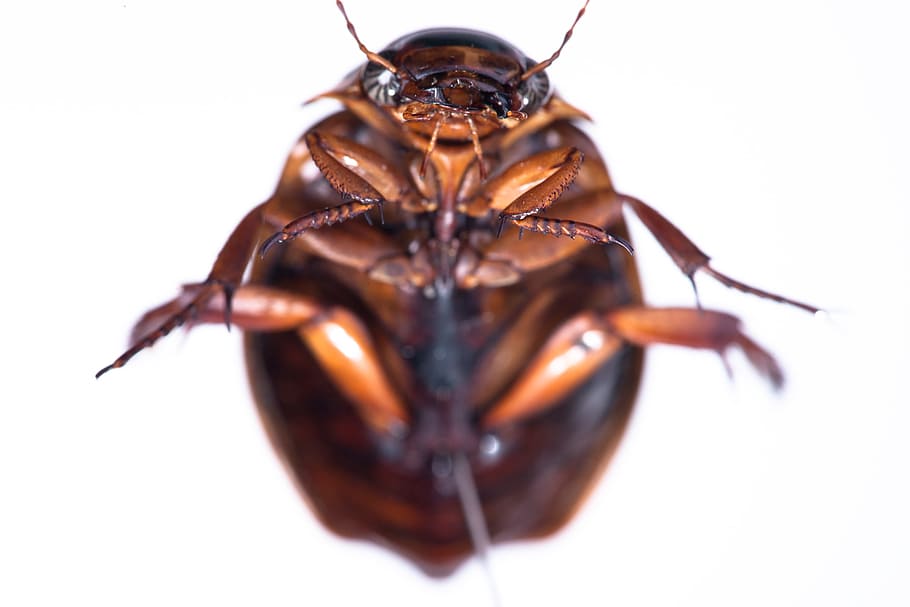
x=545 y=64
x=374 y=57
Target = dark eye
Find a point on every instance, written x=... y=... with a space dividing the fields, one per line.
x=534 y=92
x=380 y=85
x=500 y=104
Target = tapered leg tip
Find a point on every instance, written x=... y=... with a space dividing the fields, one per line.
x=271 y=241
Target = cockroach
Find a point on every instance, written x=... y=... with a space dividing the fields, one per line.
x=444 y=327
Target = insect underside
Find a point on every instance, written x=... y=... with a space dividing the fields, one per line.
x=443 y=321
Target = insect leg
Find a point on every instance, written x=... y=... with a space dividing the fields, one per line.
x=572 y=353
x=692 y=328
x=552 y=170
x=336 y=338
x=689 y=257
x=583 y=343
x=315 y=220
x=525 y=209
x=505 y=260
x=363 y=177
x=225 y=275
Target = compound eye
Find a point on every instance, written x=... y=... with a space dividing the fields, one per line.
x=500 y=104
x=381 y=85
x=534 y=92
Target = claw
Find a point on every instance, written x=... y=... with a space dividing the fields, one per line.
x=621 y=242
x=695 y=290
x=104 y=370
x=502 y=223
x=276 y=238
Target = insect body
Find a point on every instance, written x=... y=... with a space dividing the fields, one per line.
x=457 y=365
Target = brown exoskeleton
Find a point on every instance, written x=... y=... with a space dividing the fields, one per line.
x=457 y=366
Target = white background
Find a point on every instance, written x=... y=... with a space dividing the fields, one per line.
x=134 y=135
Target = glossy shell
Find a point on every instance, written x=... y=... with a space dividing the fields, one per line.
x=443 y=317
x=532 y=475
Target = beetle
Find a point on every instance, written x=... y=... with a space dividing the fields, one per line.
x=444 y=327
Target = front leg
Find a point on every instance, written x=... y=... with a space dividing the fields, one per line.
x=525 y=210
x=363 y=178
